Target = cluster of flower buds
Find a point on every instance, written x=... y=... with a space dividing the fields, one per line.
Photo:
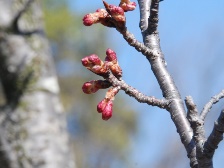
x=116 y=12
x=103 y=68
x=106 y=105
x=113 y=16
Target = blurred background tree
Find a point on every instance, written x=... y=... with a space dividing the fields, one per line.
x=97 y=144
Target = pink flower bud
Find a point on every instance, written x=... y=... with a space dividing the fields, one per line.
x=112 y=63
x=101 y=15
x=116 y=12
x=91 y=60
x=89 y=87
x=108 y=110
x=127 y=5
x=101 y=105
x=111 y=56
x=90 y=19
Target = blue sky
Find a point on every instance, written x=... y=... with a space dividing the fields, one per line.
x=192 y=39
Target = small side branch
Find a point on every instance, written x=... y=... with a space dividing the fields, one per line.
x=198 y=129
x=215 y=99
x=195 y=121
x=140 y=97
x=214 y=139
x=132 y=41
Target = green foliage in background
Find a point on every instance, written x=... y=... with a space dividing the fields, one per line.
x=97 y=143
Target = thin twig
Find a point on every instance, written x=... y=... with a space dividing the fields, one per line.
x=215 y=99
x=132 y=41
x=140 y=97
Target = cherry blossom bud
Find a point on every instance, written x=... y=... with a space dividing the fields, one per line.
x=90 y=19
x=100 y=16
x=111 y=61
x=111 y=56
x=127 y=5
x=108 y=110
x=89 y=87
x=95 y=85
x=116 y=12
x=91 y=60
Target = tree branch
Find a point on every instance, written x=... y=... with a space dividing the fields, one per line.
x=167 y=85
x=215 y=99
x=140 y=97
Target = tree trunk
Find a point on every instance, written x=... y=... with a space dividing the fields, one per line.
x=32 y=123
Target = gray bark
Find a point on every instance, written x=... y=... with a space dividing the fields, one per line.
x=32 y=122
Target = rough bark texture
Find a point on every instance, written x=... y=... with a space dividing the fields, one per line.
x=32 y=122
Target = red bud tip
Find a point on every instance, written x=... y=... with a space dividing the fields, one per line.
x=95 y=59
x=91 y=60
x=108 y=110
x=101 y=105
x=94 y=85
x=90 y=19
x=111 y=55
